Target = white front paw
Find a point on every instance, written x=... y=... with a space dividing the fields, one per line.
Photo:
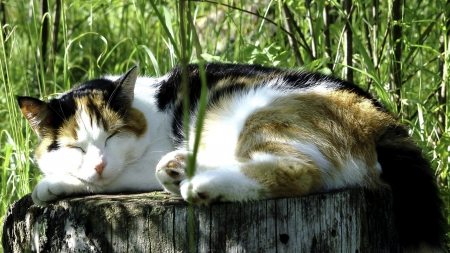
x=226 y=184
x=202 y=189
x=171 y=170
x=47 y=191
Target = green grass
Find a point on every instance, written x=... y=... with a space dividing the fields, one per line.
x=101 y=37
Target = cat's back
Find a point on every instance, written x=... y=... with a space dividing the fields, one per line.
x=235 y=91
x=231 y=79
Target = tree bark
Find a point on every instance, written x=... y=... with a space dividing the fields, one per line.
x=3 y=21
x=327 y=36
x=396 y=69
x=55 y=32
x=444 y=62
x=44 y=35
x=369 y=38
x=353 y=220
x=374 y=34
x=348 y=41
x=41 y=52
x=311 y=29
x=289 y=23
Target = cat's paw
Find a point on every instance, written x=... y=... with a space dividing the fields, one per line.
x=204 y=189
x=228 y=184
x=171 y=170
x=47 y=191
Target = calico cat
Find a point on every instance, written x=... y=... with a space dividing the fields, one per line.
x=267 y=133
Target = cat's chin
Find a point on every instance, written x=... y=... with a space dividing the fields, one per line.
x=97 y=181
x=172 y=189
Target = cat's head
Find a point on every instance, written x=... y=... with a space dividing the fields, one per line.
x=88 y=132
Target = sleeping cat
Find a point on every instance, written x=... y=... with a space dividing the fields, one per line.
x=267 y=133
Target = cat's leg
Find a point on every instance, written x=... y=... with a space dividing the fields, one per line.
x=53 y=187
x=171 y=170
x=266 y=176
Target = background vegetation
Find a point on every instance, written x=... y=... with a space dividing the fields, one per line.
x=398 y=50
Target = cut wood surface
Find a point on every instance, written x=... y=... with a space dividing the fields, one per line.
x=354 y=220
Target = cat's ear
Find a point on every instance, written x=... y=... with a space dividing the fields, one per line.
x=125 y=85
x=38 y=113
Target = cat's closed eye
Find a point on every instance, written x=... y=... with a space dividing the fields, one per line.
x=79 y=148
x=110 y=136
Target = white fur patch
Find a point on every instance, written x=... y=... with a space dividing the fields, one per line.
x=260 y=157
x=169 y=182
x=221 y=133
x=352 y=173
x=224 y=184
x=378 y=167
x=314 y=153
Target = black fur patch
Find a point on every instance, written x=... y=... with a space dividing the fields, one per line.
x=417 y=204
x=54 y=146
x=168 y=91
x=65 y=106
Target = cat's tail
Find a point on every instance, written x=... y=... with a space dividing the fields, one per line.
x=418 y=209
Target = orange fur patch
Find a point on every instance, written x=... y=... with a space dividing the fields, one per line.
x=136 y=122
x=336 y=122
x=42 y=147
x=285 y=177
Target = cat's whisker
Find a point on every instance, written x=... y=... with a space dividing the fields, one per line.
x=153 y=152
x=62 y=111
x=59 y=115
x=113 y=94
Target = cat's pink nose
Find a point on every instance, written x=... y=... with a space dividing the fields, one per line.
x=99 y=167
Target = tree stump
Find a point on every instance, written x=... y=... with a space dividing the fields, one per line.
x=354 y=220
